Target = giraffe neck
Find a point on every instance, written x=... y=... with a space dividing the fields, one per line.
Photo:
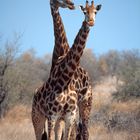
x=71 y=61
x=78 y=46
x=61 y=44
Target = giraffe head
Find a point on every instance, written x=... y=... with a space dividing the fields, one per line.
x=90 y=12
x=64 y=3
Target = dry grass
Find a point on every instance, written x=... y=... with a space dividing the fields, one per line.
x=129 y=106
x=100 y=132
x=17 y=125
x=16 y=130
x=102 y=93
x=109 y=120
x=18 y=114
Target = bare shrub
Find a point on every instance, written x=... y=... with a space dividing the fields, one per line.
x=129 y=73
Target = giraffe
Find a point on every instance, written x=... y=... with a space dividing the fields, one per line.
x=85 y=95
x=57 y=97
x=81 y=78
x=61 y=46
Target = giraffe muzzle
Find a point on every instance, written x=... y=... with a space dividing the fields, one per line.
x=70 y=4
x=90 y=23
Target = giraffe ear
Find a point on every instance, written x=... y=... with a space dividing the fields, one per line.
x=98 y=7
x=83 y=9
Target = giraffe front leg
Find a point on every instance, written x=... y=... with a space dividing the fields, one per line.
x=70 y=120
x=51 y=127
x=38 y=121
x=59 y=129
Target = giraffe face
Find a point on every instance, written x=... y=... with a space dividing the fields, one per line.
x=65 y=4
x=90 y=12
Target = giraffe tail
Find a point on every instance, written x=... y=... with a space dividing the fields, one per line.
x=44 y=134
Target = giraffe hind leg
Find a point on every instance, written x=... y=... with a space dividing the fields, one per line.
x=79 y=131
x=84 y=114
x=38 y=121
x=44 y=134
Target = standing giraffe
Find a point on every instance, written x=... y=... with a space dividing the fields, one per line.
x=61 y=46
x=57 y=97
x=85 y=95
x=80 y=78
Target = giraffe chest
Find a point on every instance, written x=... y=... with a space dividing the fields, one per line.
x=57 y=104
x=80 y=82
